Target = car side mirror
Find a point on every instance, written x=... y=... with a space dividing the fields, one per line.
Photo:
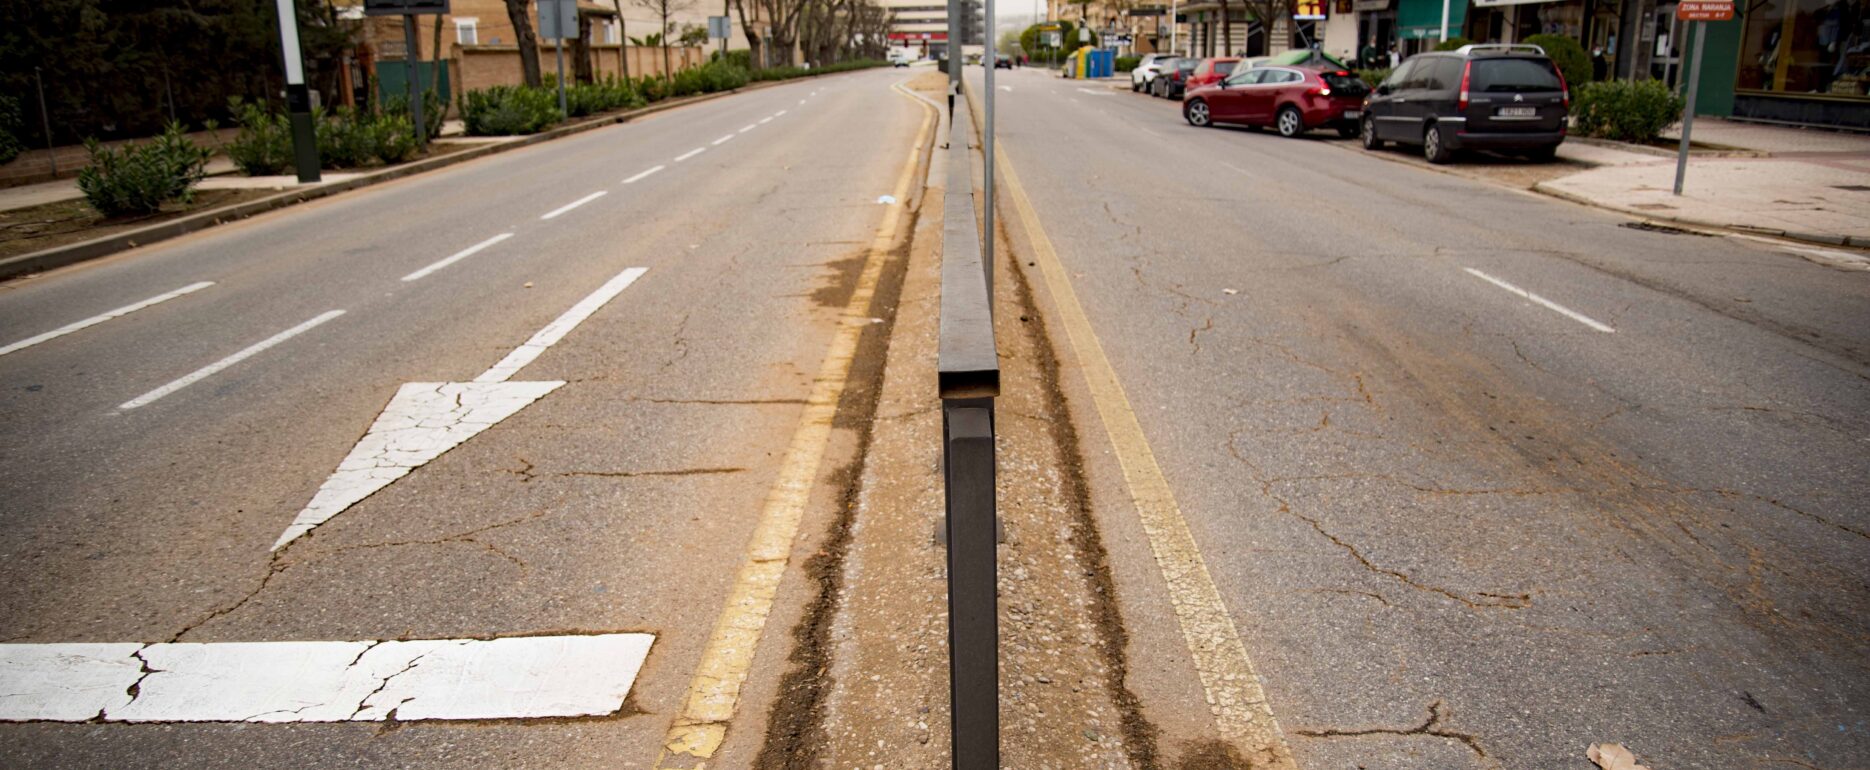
x=1383 y=90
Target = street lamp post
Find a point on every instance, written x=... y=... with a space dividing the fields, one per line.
x=298 y=96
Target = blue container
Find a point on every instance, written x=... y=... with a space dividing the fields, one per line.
x=1102 y=64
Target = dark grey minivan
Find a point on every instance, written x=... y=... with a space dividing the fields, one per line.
x=1496 y=97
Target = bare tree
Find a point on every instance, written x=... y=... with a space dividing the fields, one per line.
x=1274 y=16
x=623 y=40
x=520 y=13
x=663 y=10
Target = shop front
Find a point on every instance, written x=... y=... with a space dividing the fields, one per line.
x=1804 y=61
x=1420 y=23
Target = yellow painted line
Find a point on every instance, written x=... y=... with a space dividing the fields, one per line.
x=714 y=693
x=1241 y=712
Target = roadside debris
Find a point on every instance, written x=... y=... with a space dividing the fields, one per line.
x=1613 y=756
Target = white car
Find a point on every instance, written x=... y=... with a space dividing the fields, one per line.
x=1147 y=70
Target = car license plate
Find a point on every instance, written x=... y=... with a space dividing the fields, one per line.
x=1353 y=114
x=1518 y=112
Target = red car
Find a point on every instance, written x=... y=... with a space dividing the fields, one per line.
x=1291 y=99
x=1213 y=70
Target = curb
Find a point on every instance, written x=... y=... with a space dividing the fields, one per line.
x=1699 y=150
x=1825 y=239
x=83 y=251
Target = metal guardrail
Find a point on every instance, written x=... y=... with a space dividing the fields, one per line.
x=968 y=378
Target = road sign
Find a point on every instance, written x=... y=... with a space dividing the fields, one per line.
x=558 y=19
x=719 y=27
x=404 y=7
x=1154 y=10
x=1705 y=10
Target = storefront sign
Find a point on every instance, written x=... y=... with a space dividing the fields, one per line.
x=1496 y=3
x=1308 y=10
x=1154 y=10
x=1370 y=5
x=1705 y=10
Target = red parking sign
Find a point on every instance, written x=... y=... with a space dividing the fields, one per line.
x=1705 y=10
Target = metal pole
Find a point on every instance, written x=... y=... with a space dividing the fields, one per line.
x=986 y=236
x=973 y=625
x=1175 y=32
x=955 y=27
x=1444 y=21
x=1688 y=114
x=409 y=69
x=45 y=121
x=558 y=47
x=298 y=96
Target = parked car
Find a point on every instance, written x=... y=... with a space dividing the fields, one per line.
x=1212 y=70
x=1172 y=81
x=1291 y=99
x=1003 y=63
x=1501 y=97
x=1147 y=70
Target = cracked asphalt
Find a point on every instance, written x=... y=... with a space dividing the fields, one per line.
x=1456 y=528
x=622 y=501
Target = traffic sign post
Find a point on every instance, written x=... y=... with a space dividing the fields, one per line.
x=409 y=10
x=1700 y=12
x=558 y=20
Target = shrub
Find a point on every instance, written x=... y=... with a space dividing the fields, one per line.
x=608 y=94
x=10 y=129
x=1127 y=63
x=138 y=179
x=346 y=140
x=1568 y=55
x=264 y=145
x=510 y=110
x=434 y=110
x=780 y=73
x=707 y=79
x=1453 y=43
x=742 y=59
x=1625 y=111
x=1374 y=77
x=393 y=138
x=653 y=89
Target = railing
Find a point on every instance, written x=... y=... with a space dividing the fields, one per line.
x=968 y=367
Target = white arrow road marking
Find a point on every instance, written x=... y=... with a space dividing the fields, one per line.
x=211 y=369
x=513 y=678
x=102 y=317
x=426 y=419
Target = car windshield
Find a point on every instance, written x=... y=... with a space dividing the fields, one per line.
x=1344 y=83
x=1224 y=67
x=1513 y=75
x=1186 y=65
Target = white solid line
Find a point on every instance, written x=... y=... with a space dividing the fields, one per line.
x=690 y=154
x=557 y=329
x=723 y=139
x=456 y=257
x=639 y=177
x=574 y=204
x=363 y=681
x=749 y=127
x=102 y=317
x=209 y=370
x=1567 y=312
x=767 y=119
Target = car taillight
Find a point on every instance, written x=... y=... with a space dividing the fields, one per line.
x=1467 y=72
x=1564 y=89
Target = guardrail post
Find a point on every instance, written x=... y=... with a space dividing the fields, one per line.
x=973 y=578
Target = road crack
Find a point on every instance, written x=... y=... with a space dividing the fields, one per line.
x=1431 y=726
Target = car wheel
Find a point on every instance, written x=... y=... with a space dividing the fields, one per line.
x=1543 y=154
x=1368 y=128
x=1135 y=86
x=1432 y=147
x=1346 y=131
x=1290 y=123
x=1197 y=114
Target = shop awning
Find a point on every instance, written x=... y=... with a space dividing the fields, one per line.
x=1422 y=18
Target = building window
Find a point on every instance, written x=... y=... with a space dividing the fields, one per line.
x=1813 y=47
x=467 y=31
x=611 y=32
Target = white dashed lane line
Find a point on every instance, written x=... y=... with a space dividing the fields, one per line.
x=211 y=369
x=690 y=154
x=641 y=175
x=102 y=317
x=553 y=214
x=767 y=119
x=722 y=139
x=1554 y=306
x=456 y=257
x=782 y=112
x=749 y=127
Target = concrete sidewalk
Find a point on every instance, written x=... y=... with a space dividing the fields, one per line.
x=1807 y=184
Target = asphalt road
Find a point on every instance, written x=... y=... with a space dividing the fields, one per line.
x=624 y=501
x=1454 y=526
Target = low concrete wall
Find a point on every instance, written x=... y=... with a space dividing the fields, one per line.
x=493 y=65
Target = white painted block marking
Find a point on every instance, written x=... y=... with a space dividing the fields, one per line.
x=642 y=175
x=423 y=420
x=211 y=369
x=561 y=326
x=749 y=127
x=767 y=119
x=456 y=257
x=426 y=419
x=717 y=142
x=1561 y=309
x=572 y=205
x=690 y=154
x=102 y=317
x=516 y=678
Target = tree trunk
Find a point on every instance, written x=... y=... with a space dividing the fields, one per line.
x=668 y=71
x=753 y=38
x=623 y=41
x=581 y=52
x=1227 y=30
x=435 y=50
x=520 y=13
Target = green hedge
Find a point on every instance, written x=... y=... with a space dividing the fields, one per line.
x=1453 y=43
x=1625 y=111
x=11 y=129
x=708 y=78
x=264 y=145
x=509 y=110
x=1374 y=77
x=1127 y=63
x=139 y=178
x=1568 y=55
